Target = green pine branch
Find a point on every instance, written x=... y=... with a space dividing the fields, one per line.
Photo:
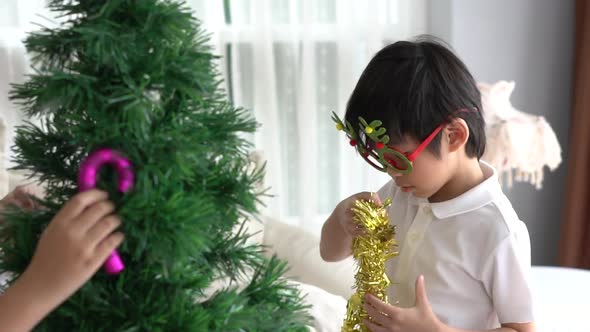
x=139 y=76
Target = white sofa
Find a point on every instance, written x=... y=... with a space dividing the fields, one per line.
x=562 y=295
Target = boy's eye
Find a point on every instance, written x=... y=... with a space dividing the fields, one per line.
x=396 y=160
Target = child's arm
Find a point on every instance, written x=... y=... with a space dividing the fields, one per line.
x=339 y=230
x=73 y=246
x=335 y=243
x=20 y=197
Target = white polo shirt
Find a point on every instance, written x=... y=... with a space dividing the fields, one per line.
x=473 y=251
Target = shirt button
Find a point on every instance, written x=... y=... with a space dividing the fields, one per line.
x=413 y=237
x=427 y=209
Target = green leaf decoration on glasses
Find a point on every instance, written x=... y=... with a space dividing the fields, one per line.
x=381 y=156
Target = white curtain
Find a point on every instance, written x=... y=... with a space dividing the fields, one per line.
x=292 y=62
x=16 y=18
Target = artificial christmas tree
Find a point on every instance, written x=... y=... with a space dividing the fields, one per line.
x=137 y=79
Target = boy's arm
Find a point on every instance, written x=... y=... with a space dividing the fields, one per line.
x=335 y=243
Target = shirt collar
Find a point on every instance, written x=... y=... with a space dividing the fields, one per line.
x=475 y=198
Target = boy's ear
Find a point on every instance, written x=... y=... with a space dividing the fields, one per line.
x=456 y=133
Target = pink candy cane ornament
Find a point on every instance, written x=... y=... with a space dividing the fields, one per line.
x=87 y=177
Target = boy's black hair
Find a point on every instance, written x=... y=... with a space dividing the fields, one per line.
x=415 y=86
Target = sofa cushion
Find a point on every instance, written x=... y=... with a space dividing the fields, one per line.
x=301 y=250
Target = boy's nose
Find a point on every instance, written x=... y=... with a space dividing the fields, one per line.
x=393 y=173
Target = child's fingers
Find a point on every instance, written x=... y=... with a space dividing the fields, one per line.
x=355 y=229
x=79 y=203
x=370 y=196
x=10 y=199
x=93 y=214
x=360 y=231
x=375 y=197
x=24 y=199
x=351 y=228
x=19 y=190
x=106 y=247
x=377 y=317
x=99 y=231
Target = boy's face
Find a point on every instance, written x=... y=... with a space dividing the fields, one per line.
x=429 y=173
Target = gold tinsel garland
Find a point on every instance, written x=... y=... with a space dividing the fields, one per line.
x=371 y=250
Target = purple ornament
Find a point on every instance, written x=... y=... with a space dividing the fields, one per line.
x=87 y=180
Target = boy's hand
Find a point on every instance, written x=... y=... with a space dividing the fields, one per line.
x=345 y=214
x=386 y=317
x=73 y=246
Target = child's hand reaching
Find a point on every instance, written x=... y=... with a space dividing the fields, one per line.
x=388 y=318
x=345 y=215
x=75 y=244
x=71 y=249
x=20 y=197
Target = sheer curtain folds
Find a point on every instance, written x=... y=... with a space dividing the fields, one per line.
x=291 y=62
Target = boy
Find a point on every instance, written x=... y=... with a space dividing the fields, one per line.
x=455 y=228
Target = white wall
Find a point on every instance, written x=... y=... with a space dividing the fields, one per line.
x=530 y=42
